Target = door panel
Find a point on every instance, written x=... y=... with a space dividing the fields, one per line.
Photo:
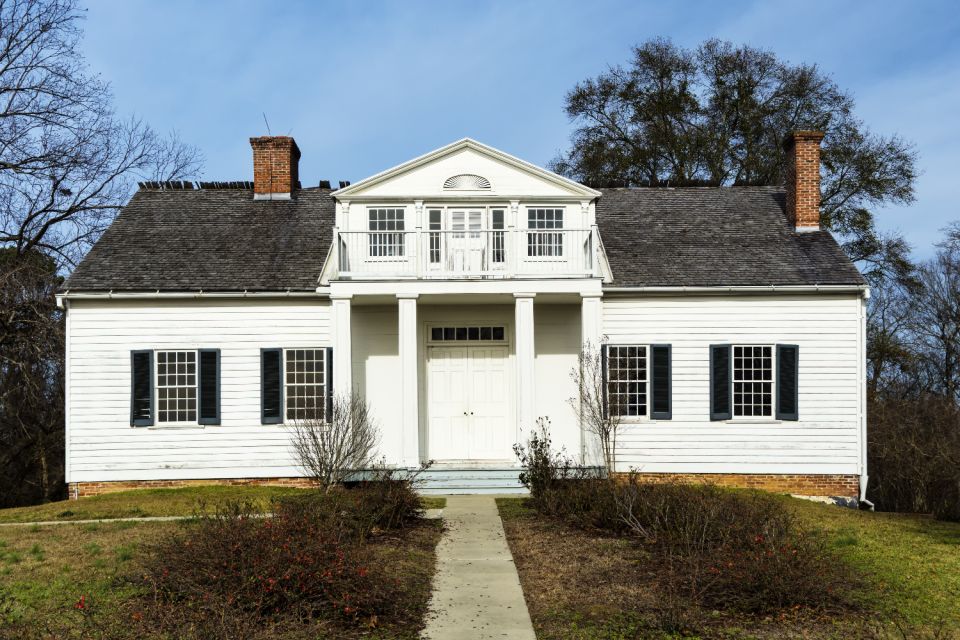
x=469 y=404
x=490 y=432
x=449 y=424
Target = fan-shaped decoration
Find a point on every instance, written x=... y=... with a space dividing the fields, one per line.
x=466 y=182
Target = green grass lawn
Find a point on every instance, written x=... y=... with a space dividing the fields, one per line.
x=44 y=571
x=142 y=503
x=912 y=562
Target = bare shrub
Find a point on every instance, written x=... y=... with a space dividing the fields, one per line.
x=235 y=572
x=592 y=404
x=712 y=547
x=330 y=448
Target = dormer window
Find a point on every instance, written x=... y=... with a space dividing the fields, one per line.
x=466 y=182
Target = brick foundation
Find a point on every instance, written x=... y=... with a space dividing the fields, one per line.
x=85 y=489
x=802 y=484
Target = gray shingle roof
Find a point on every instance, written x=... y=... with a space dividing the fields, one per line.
x=223 y=240
x=211 y=239
x=713 y=236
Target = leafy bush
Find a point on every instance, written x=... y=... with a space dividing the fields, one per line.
x=306 y=562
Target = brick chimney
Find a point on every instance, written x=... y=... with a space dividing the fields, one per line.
x=275 y=167
x=803 y=179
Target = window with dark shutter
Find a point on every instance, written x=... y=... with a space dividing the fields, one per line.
x=787 y=381
x=328 y=400
x=661 y=391
x=271 y=387
x=209 y=386
x=720 y=382
x=141 y=388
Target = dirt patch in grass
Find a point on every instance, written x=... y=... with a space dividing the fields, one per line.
x=83 y=581
x=580 y=585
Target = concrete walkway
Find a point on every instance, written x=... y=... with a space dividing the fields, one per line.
x=476 y=591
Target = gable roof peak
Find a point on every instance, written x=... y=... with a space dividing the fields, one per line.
x=479 y=147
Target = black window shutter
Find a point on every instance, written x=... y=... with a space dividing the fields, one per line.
x=271 y=386
x=141 y=388
x=720 y=382
x=788 y=358
x=328 y=397
x=604 y=379
x=209 y=387
x=660 y=380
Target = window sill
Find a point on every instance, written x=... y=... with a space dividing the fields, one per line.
x=753 y=421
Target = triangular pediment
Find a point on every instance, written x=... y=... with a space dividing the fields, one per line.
x=466 y=168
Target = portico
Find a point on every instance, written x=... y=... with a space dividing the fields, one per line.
x=459 y=378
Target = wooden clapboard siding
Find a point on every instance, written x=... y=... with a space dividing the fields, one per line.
x=101 y=443
x=825 y=440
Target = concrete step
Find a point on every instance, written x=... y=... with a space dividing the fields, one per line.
x=470 y=481
x=449 y=491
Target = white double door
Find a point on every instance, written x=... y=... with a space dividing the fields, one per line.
x=468 y=404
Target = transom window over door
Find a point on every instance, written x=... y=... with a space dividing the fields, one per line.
x=541 y=243
x=386 y=237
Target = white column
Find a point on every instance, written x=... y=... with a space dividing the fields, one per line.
x=525 y=348
x=342 y=346
x=591 y=334
x=591 y=319
x=409 y=366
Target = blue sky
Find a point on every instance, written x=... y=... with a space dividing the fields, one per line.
x=365 y=85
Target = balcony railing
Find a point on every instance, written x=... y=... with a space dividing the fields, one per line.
x=507 y=253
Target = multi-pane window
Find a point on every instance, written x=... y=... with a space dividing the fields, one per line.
x=386 y=233
x=626 y=377
x=540 y=241
x=457 y=334
x=498 y=247
x=752 y=380
x=177 y=386
x=436 y=216
x=306 y=383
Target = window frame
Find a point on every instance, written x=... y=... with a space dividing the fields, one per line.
x=648 y=381
x=772 y=416
x=325 y=385
x=158 y=421
x=401 y=235
x=558 y=244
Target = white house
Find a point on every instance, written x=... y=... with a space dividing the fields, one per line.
x=454 y=292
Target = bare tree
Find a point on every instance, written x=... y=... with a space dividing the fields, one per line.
x=592 y=405
x=31 y=380
x=935 y=326
x=67 y=162
x=331 y=448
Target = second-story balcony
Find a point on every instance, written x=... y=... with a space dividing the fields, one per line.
x=506 y=253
